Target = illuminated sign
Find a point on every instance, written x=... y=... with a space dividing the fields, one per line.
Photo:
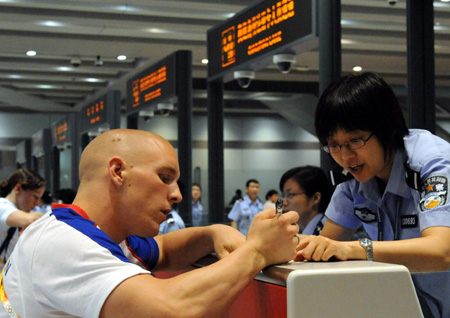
x=38 y=144
x=94 y=114
x=61 y=131
x=268 y=27
x=153 y=85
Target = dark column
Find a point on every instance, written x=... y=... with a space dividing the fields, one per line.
x=330 y=60
x=421 y=87
x=215 y=153
x=74 y=122
x=56 y=169
x=184 y=93
x=132 y=121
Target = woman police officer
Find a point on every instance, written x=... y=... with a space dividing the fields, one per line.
x=399 y=192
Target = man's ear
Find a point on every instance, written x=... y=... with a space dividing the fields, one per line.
x=116 y=170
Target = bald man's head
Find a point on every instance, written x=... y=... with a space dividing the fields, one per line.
x=128 y=182
x=132 y=146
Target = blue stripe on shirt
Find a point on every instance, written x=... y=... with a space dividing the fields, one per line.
x=88 y=228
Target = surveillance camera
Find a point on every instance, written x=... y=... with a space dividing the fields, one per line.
x=93 y=133
x=244 y=78
x=392 y=2
x=284 y=61
x=146 y=114
x=76 y=62
x=164 y=109
x=98 y=61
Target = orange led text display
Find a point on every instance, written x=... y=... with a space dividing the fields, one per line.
x=261 y=22
x=145 y=84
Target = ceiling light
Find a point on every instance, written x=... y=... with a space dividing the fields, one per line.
x=51 y=23
x=122 y=57
x=357 y=68
x=31 y=53
x=92 y=80
x=445 y=0
x=64 y=68
x=14 y=76
x=157 y=30
x=205 y=61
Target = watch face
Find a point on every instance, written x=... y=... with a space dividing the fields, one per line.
x=365 y=242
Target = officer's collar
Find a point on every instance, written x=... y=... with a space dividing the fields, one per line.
x=396 y=182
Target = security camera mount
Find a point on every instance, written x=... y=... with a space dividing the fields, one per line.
x=75 y=61
x=284 y=61
x=244 y=77
x=164 y=109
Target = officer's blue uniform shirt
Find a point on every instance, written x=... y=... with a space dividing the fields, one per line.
x=315 y=226
x=402 y=212
x=197 y=213
x=172 y=223
x=243 y=212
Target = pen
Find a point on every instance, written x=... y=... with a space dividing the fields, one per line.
x=279 y=206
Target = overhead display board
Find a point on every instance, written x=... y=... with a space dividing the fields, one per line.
x=105 y=110
x=267 y=28
x=94 y=114
x=153 y=85
x=61 y=132
x=38 y=140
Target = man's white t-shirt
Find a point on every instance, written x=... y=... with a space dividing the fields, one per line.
x=65 y=266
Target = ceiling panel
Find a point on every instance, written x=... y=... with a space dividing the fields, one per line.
x=373 y=36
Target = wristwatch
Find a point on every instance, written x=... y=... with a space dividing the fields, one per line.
x=367 y=244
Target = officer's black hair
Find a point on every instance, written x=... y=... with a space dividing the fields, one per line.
x=270 y=193
x=311 y=179
x=361 y=102
x=250 y=181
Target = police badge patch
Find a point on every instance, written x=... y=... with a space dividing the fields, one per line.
x=365 y=215
x=434 y=193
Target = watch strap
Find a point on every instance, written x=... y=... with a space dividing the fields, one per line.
x=367 y=244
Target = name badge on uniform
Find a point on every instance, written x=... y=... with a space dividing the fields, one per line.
x=365 y=215
x=434 y=193
x=409 y=221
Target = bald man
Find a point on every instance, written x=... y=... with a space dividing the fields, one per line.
x=94 y=258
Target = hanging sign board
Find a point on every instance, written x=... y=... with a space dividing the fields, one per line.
x=61 y=132
x=153 y=85
x=94 y=114
x=254 y=34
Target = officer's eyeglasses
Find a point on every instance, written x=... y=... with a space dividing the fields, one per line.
x=290 y=195
x=351 y=145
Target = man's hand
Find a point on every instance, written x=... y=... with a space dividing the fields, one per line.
x=274 y=236
x=226 y=239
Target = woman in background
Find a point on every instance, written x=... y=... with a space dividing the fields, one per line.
x=20 y=194
x=307 y=191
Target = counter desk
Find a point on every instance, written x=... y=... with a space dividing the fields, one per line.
x=347 y=289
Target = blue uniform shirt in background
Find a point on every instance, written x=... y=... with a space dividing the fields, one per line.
x=402 y=212
x=172 y=223
x=243 y=212
x=197 y=213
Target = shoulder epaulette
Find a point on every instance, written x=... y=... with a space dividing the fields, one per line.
x=412 y=178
